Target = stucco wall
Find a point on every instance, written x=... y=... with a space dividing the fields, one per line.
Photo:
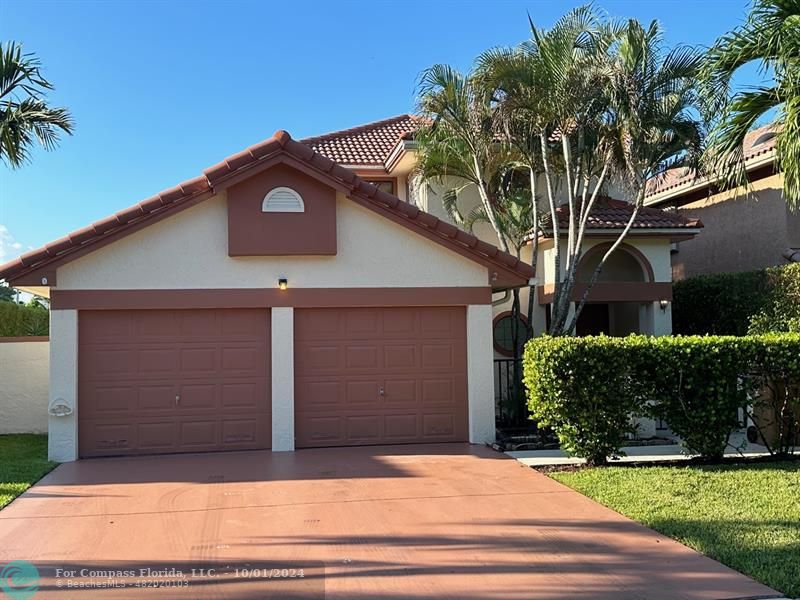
x=24 y=370
x=189 y=250
x=741 y=233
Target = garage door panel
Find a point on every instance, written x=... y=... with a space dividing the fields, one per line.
x=157 y=436
x=199 y=433
x=107 y=437
x=435 y=425
x=157 y=361
x=364 y=428
x=178 y=373
x=344 y=357
x=320 y=431
x=152 y=398
x=198 y=359
x=440 y=392
x=361 y=357
x=400 y=391
x=401 y=356
x=401 y=427
x=438 y=356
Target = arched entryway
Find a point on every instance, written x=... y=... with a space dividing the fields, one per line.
x=614 y=317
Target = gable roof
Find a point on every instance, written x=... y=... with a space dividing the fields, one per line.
x=608 y=213
x=506 y=270
x=366 y=145
x=759 y=145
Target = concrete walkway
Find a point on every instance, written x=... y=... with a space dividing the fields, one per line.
x=667 y=452
x=441 y=521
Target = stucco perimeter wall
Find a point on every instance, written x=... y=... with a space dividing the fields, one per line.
x=189 y=250
x=24 y=368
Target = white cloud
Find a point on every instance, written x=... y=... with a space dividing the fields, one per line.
x=9 y=247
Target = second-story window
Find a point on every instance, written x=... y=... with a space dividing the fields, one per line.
x=385 y=185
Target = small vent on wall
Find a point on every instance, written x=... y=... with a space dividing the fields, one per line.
x=283 y=199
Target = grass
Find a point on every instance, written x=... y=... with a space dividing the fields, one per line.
x=23 y=461
x=745 y=516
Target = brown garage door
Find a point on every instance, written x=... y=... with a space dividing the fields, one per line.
x=156 y=381
x=380 y=376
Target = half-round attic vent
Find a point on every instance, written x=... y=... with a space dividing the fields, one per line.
x=764 y=138
x=283 y=199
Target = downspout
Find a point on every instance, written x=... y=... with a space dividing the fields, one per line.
x=503 y=300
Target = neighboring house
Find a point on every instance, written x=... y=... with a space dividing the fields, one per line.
x=305 y=294
x=742 y=231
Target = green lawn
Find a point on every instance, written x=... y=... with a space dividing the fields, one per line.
x=23 y=461
x=745 y=516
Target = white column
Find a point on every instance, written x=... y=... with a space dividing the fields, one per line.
x=662 y=319
x=480 y=374
x=62 y=442
x=282 y=378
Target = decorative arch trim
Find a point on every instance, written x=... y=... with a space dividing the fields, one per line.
x=632 y=250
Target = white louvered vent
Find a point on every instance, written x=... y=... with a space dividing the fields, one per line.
x=283 y=199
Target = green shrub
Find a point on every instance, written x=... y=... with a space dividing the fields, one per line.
x=698 y=385
x=776 y=409
x=21 y=320
x=781 y=311
x=586 y=390
x=738 y=303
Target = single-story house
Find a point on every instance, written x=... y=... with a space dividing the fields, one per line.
x=277 y=301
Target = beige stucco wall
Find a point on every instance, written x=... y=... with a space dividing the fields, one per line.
x=740 y=234
x=24 y=386
x=189 y=250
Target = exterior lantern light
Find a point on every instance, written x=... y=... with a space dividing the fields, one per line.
x=283 y=283
x=664 y=304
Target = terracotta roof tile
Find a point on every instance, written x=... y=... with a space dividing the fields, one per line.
x=755 y=146
x=615 y=214
x=368 y=145
x=241 y=165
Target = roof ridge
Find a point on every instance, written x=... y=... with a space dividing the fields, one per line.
x=356 y=129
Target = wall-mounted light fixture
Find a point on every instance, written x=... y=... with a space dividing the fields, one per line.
x=283 y=283
x=664 y=304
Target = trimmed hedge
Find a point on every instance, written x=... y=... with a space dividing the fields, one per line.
x=21 y=320
x=738 y=303
x=589 y=388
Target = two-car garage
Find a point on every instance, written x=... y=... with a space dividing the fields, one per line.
x=164 y=381
x=278 y=301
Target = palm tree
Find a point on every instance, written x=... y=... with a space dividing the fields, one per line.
x=608 y=104
x=24 y=114
x=457 y=145
x=770 y=37
x=652 y=123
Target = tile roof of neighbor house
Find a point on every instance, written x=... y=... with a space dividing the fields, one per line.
x=608 y=213
x=757 y=143
x=238 y=167
x=368 y=145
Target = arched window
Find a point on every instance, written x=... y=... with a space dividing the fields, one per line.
x=283 y=199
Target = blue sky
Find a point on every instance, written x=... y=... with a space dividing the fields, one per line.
x=161 y=90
